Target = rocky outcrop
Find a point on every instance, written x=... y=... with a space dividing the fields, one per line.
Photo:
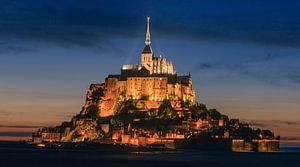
x=85 y=130
x=101 y=100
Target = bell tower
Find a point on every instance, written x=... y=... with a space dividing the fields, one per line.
x=147 y=54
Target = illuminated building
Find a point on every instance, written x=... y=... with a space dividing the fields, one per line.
x=153 y=79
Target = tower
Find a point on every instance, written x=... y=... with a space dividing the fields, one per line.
x=147 y=54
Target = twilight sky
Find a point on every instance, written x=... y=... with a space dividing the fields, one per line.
x=244 y=56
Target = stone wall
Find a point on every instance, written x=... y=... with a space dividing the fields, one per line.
x=105 y=96
x=153 y=88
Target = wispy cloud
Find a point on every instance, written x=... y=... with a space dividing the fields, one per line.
x=13 y=49
x=39 y=94
x=204 y=66
x=263 y=68
x=294 y=78
x=238 y=64
x=265 y=58
x=92 y=24
x=16 y=134
x=20 y=126
x=271 y=123
x=4 y=113
x=290 y=138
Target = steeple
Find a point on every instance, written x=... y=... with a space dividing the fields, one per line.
x=148 y=48
x=148 y=32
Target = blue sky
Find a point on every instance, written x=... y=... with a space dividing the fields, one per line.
x=243 y=55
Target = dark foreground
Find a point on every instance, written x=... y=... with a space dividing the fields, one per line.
x=27 y=156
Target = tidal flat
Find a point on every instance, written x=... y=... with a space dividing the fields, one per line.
x=18 y=155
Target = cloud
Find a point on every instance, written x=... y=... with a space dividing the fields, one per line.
x=20 y=126
x=267 y=68
x=268 y=123
x=204 y=66
x=238 y=65
x=16 y=134
x=4 y=49
x=7 y=49
x=64 y=36
x=4 y=113
x=294 y=78
x=261 y=59
x=296 y=138
x=40 y=94
x=92 y=24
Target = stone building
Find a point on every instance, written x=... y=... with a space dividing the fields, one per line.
x=153 y=79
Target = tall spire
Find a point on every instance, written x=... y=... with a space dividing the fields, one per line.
x=148 y=32
x=148 y=48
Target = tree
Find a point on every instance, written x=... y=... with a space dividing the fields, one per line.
x=199 y=110
x=166 y=110
x=114 y=121
x=126 y=107
x=214 y=114
x=92 y=111
x=152 y=112
x=185 y=104
x=169 y=113
x=203 y=115
x=145 y=97
x=122 y=97
x=97 y=94
x=202 y=106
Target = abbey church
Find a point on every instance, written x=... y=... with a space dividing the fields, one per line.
x=149 y=106
x=154 y=79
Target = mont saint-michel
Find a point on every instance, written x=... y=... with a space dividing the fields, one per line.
x=149 y=105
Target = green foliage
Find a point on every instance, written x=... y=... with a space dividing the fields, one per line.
x=267 y=133
x=92 y=111
x=225 y=117
x=127 y=106
x=159 y=120
x=122 y=97
x=152 y=112
x=185 y=104
x=169 y=113
x=75 y=135
x=140 y=105
x=157 y=124
x=145 y=98
x=165 y=110
x=98 y=94
x=115 y=121
x=214 y=114
x=88 y=131
x=245 y=133
x=202 y=107
x=199 y=110
x=130 y=104
x=170 y=96
x=97 y=135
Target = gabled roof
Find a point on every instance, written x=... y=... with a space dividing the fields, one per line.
x=147 y=49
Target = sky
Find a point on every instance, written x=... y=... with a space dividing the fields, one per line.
x=243 y=56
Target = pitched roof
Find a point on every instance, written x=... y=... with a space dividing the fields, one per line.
x=147 y=49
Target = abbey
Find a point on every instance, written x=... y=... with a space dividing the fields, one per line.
x=154 y=79
x=155 y=65
x=149 y=105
